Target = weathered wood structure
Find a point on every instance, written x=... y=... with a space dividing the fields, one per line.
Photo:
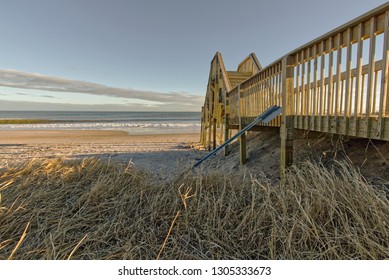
x=337 y=83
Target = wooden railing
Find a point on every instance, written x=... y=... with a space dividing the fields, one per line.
x=255 y=95
x=337 y=83
x=212 y=111
x=341 y=79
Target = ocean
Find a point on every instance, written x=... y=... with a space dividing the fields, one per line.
x=134 y=123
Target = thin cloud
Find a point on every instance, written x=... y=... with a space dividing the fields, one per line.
x=49 y=96
x=24 y=80
x=55 y=106
x=42 y=95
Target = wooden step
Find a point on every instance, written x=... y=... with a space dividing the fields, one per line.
x=236 y=77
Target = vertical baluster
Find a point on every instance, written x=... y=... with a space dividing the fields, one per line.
x=314 y=90
x=347 y=109
x=384 y=99
x=362 y=104
x=271 y=89
x=262 y=91
x=321 y=93
x=255 y=97
x=268 y=89
x=308 y=90
x=277 y=93
x=338 y=80
x=358 y=82
x=330 y=98
x=374 y=97
x=369 y=93
x=303 y=108
x=298 y=93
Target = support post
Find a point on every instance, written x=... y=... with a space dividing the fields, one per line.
x=287 y=114
x=242 y=138
x=202 y=127
x=214 y=133
x=226 y=134
x=209 y=131
x=210 y=117
x=242 y=148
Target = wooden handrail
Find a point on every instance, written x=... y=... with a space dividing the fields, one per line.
x=224 y=72
x=255 y=62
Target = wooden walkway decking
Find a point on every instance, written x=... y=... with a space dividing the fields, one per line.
x=337 y=83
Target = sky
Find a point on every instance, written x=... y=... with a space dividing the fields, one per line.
x=145 y=55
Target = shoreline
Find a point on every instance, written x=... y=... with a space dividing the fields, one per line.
x=79 y=136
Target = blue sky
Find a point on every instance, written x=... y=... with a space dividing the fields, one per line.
x=145 y=54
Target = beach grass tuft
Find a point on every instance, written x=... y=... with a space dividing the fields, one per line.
x=90 y=209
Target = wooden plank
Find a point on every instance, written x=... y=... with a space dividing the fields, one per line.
x=201 y=126
x=242 y=138
x=302 y=89
x=385 y=131
x=322 y=86
x=243 y=148
x=330 y=84
x=277 y=91
x=358 y=82
x=223 y=71
x=226 y=135
x=250 y=63
x=347 y=108
x=298 y=93
x=384 y=99
x=308 y=91
x=369 y=93
x=338 y=79
x=314 y=90
x=374 y=97
x=210 y=105
x=215 y=104
x=287 y=114
x=214 y=130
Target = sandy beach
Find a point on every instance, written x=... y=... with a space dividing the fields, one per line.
x=161 y=153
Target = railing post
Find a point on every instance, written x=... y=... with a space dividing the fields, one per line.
x=384 y=98
x=287 y=114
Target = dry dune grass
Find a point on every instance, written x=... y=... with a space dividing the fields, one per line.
x=96 y=210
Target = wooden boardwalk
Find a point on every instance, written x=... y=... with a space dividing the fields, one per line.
x=337 y=83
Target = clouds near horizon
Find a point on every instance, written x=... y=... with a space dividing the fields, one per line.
x=32 y=81
x=11 y=105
